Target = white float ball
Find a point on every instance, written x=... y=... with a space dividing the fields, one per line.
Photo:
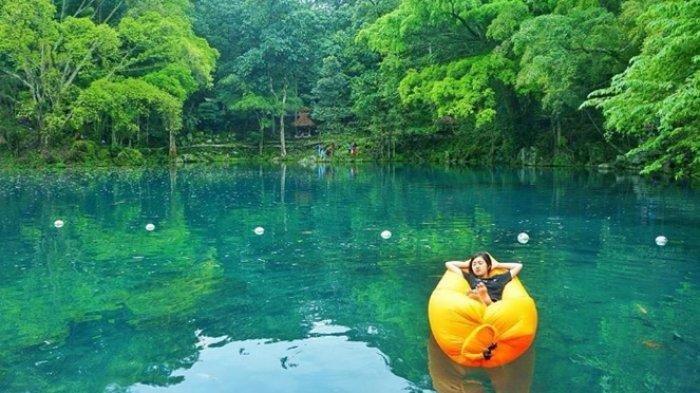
x=523 y=238
x=385 y=234
x=58 y=223
x=150 y=227
x=259 y=230
x=661 y=240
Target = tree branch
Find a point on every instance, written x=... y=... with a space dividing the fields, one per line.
x=79 y=67
x=16 y=76
x=272 y=89
x=114 y=10
x=84 y=4
x=615 y=55
x=602 y=133
x=464 y=23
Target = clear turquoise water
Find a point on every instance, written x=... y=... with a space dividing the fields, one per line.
x=320 y=302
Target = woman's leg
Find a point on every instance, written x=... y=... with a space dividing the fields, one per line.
x=483 y=293
x=472 y=294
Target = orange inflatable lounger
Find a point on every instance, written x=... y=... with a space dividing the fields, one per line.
x=475 y=335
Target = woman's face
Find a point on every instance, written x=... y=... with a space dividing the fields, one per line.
x=479 y=266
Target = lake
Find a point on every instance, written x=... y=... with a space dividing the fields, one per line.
x=320 y=301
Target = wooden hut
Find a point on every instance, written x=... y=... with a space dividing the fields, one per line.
x=303 y=123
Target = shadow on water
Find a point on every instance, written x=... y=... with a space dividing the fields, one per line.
x=450 y=377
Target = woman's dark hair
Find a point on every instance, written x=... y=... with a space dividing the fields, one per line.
x=487 y=259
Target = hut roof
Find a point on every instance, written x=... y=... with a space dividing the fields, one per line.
x=302 y=119
x=449 y=120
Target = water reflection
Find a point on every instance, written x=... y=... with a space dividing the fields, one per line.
x=327 y=361
x=450 y=377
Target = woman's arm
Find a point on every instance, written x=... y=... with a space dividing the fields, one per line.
x=456 y=266
x=513 y=267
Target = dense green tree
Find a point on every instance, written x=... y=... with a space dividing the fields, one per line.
x=563 y=57
x=457 y=80
x=261 y=107
x=332 y=95
x=270 y=52
x=50 y=59
x=510 y=69
x=657 y=98
x=452 y=66
x=61 y=61
x=376 y=107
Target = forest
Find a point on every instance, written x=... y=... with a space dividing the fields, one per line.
x=469 y=82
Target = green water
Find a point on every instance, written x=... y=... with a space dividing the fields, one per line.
x=320 y=302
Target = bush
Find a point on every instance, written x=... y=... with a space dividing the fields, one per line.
x=128 y=156
x=50 y=157
x=82 y=151
x=103 y=154
x=562 y=159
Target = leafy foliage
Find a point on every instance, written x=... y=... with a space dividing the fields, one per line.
x=657 y=98
x=518 y=81
x=332 y=95
x=75 y=71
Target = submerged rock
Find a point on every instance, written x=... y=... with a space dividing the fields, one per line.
x=651 y=344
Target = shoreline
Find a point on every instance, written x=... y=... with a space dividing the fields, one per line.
x=298 y=160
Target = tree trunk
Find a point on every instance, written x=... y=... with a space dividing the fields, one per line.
x=389 y=146
x=172 y=151
x=382 y=144
x=284 y=102
x=271 y=85
x=283 y=146
x=39 y=129
x=556 y=134
x=138 y=132
x=261 y=124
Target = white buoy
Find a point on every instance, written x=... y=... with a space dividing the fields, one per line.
x=661 y=240
x=385 y=234
x=259 y=230
x=523 y=238
x=150 y=227
x=58 y=223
